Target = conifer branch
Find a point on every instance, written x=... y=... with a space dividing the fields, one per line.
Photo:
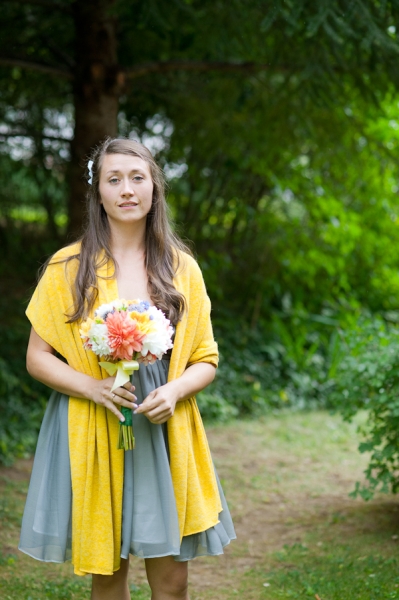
x=188 y=65
x=46 y=4
x=26 y=134
x=35 y=66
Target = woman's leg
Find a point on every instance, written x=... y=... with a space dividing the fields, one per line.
x=168 y=579
x=111 y=587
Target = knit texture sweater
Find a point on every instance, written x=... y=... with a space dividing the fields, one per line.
x=96 y=463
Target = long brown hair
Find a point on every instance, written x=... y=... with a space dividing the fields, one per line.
x=161 y=243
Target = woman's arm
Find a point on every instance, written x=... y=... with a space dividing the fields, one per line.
x=43 y=365
x=160 y=404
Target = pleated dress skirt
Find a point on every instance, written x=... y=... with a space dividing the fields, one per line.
x=149 y=516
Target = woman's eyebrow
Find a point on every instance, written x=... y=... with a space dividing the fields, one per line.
x=137 y=170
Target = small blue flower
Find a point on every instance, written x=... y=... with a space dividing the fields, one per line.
x=133 y=307
x=140 y=308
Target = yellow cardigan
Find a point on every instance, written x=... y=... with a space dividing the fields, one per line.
x=96 y=463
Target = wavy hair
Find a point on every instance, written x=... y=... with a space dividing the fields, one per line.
x=162 y=245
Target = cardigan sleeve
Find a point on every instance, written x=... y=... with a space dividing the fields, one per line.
x=42 y=310
x=51 y=301
x=204 y=348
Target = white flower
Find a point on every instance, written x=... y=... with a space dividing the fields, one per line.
x=120 y=304
x=158 y=342
x=157 y=315
x=104 y=309
x=98 y=336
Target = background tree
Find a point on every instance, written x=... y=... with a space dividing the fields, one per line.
x=150 y=58
x=277 y=127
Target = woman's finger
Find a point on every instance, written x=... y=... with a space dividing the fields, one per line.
x=122 y=393
x=149 y=403
x=125 y=393
x=129 y=386
x=158 y=420
x=127 y=403
x=112 y=408
x=158 y=414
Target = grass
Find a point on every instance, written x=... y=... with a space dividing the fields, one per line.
x=22 y=578
x=333 y=574
x=287 y=479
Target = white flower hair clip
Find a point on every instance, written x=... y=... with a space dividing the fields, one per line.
x=90 y=168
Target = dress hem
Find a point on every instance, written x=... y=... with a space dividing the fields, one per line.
x=183 y=559
x=58 y=562
x=209 y=553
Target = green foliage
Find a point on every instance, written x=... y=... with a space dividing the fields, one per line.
x=368 y=378
x=214 y=407
x=290 y=364
x=22 y=400
x=21 y=409
x=317 y=225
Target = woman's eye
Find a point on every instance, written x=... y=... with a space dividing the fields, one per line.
x=114 y=180
x=137 y=178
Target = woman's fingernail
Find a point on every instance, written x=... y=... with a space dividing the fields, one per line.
x=122 y=419
x=134 y=405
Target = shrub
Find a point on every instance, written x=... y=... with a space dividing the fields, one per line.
x=368 y=378
x=21 y=410
x=287 y=365
x=22 y=399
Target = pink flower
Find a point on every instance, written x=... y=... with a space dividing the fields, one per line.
x=124 y=336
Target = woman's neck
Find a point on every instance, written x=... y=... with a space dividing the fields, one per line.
x=127 y=241
x=128 y=250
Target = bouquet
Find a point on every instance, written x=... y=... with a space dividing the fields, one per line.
x=125 y=333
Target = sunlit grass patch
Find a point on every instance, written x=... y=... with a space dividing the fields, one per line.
x=78 y=588
x=26 y=588
x=335 y=573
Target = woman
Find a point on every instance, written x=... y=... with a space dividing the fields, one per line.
x=161 y=501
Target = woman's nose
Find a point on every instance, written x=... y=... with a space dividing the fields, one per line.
x=127 y=187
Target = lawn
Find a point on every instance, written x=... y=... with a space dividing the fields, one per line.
x=287 y=478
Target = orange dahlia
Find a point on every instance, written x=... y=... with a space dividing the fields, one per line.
x=124 y=336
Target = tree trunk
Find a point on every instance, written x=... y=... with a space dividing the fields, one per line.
x=98 y=84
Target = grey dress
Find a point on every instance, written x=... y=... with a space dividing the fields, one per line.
x=149 y=516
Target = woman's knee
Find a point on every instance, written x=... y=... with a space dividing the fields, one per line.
x=169 y=580
x=176 y=583
x=109 y=582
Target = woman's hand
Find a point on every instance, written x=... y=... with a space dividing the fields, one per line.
x=101 y=394
x=44 y=366
x=160 y=404
x=158 y=407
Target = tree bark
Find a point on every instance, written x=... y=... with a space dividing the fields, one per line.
x=98 y=84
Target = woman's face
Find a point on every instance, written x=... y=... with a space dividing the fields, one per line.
x=126 y=188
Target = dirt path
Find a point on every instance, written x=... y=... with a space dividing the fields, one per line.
x=284 y=477
x=289 y=478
